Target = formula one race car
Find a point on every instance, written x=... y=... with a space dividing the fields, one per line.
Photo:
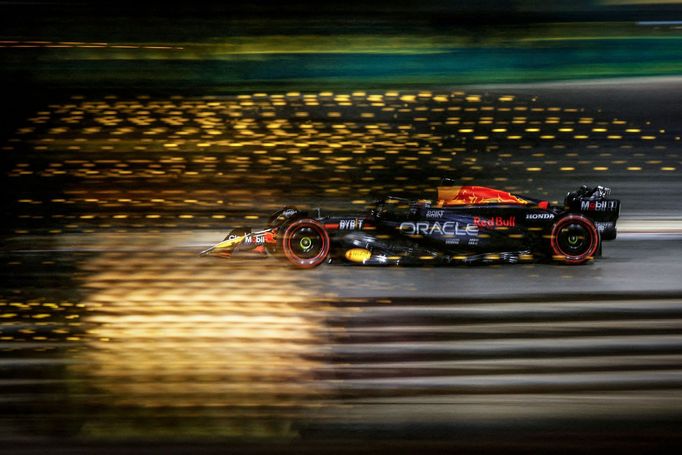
x=462 y=224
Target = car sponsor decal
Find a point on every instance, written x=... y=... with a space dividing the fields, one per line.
x=603 y=226
x=539 y=216
x=599 y=206
x=436 y=227
x=348 y=224
x=358 y=255
x=351 y=225
x=435 y=213
x=258 y=239
x=470 y=241
x=467 y=195
x=495 y=221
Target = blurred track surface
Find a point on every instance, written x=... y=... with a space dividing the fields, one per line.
x=170 y=345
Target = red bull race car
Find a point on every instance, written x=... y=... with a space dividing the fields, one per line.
x=458 y=225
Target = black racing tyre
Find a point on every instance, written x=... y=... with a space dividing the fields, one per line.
x=305 y=243
x=574 y=239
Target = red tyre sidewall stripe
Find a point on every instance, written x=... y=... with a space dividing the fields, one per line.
x=311 y=262
x=594 y=243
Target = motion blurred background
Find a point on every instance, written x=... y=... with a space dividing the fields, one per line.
x=135 y=135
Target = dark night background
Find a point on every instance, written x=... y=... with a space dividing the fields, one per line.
x=135 y=134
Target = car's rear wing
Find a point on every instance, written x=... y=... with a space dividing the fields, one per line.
x=595 y=204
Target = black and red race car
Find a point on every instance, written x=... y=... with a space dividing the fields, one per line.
x=460 y=224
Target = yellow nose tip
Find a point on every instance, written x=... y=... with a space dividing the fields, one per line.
x=358 y=254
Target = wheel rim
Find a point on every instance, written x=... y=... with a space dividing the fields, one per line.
x=574 y=239
x=306 y=243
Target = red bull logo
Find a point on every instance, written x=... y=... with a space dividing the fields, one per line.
x=495 y=222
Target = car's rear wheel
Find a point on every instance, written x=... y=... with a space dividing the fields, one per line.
x=574 y=239
x=305 y=243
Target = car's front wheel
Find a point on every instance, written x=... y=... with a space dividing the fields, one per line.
x=305 y=243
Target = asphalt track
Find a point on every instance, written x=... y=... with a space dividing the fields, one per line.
x=159 y=339
x=643 y=260
x=115 y=330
